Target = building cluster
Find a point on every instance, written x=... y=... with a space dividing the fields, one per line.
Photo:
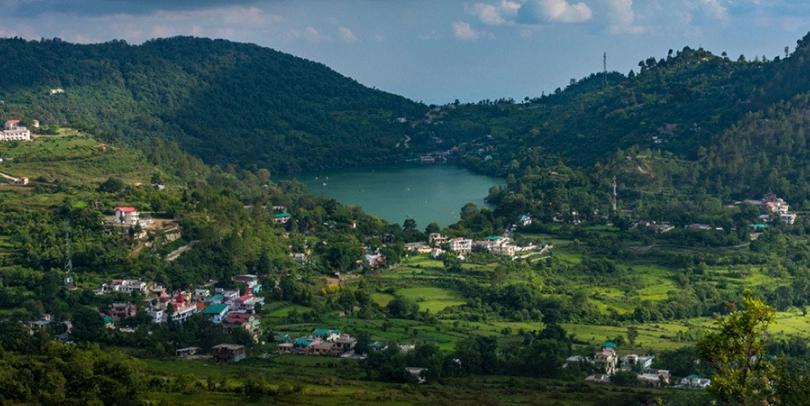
x=319 y=342
x=776 y=206
x=226 y=307
x=501 y=246
x=608 y=362
x=13 y=131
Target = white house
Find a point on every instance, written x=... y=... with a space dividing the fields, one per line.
x=630 y=361
x=695 y=382
x=461 y=245
x=124 y=285
x=126 y=215
x=14 y=132
x=788 y=218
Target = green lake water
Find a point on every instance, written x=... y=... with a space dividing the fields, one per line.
x=425 y=192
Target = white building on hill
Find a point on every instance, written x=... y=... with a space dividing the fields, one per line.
x=14 y=132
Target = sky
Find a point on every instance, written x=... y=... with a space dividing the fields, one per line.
x=437 y=51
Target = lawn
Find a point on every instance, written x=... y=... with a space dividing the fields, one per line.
x=431 y=298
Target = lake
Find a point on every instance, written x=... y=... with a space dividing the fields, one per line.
x=425 y=192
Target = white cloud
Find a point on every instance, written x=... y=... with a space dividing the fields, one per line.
x=714 y=8
x=463 y=31
x=346 y=35
x=162 y=31
x=310 y=34
x=501 y=13
x=620 y=17
x=379 y=37
x=565 y=12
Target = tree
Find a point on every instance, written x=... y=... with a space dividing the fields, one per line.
x=87 y=325
x=737 y=352
x=632 y=333
x=409 y=224
x=401 y=307
x=111 y=185
x=432 y=228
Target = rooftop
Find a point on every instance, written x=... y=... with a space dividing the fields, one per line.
x=215 y=308
x=126 y=209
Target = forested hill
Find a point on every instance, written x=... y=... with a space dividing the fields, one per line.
x=675 y=103
x=225 y=102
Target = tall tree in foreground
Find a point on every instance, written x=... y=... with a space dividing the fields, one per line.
x=736 y=350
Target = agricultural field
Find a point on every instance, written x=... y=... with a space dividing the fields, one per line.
x=57 y=157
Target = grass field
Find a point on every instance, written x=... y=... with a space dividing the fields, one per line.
x=433 y=299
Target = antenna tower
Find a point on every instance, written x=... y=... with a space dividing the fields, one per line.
x=604 y=70
x=614 y=193
x=68 y=253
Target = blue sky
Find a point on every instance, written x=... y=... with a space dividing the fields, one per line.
x=440 y=50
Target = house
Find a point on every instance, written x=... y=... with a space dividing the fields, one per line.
x=183 y=311
x=250 y=322
x=378 y=346
x=525 y=220
x=183 y=352
x=695 y=382
x=201 y=294
x=436 y=239
x=576 y=360
x=771 y=203
x=322 y=348
x=227 y=295
x=654 y=377
x=327 y=335
x=245 y=303
x=598 y=378
x=285 y=348
x=281 y=218
x=121 y=310
x=124 y=285
x=156 y=313
x=344 y=343
x=14 y=132
x=375 y=260
x=416 y=373
x=301 y=345
x=126 y=215
x=461 y=245
x=436 y=253
x=216 y=312
x=109 y=322
x=632 y=361
x=788 y=218
x=45 y=322
x=229 y=353
x=417 y=247
x=22 y=181
x=503 y=249
x=606 y=358
x=248 y=279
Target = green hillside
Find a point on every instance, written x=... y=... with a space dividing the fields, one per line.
x=677 y=103
x=225 y=102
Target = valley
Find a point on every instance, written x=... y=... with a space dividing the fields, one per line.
x=151 y=258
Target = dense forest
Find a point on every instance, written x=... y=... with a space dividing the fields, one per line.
x=224 y=102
